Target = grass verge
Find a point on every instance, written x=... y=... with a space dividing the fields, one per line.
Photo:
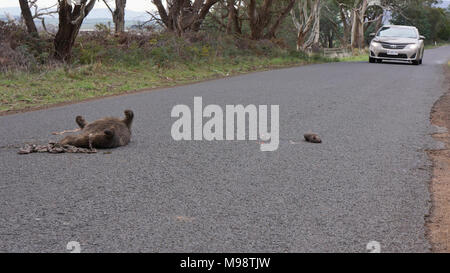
x=355 y=58
x=431 y=46
x=26 y=91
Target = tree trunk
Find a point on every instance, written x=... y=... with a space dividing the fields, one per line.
x=167 y=22
x=119 y=16
x=357 y=35
x=300 y=40
x=27 y=17
x=346 y=29
x=283 y=14
x=233 y=18
x=70 y=21
x=201 y=12
x=308 y=24
x=330 y=39
x=259 y=18
x=316 y=30
x=183 y=15
x=354 y=31
x=379 y=22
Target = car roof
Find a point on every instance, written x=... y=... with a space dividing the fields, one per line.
x=400 y=26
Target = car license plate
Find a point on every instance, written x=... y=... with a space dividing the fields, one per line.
x=392 y=52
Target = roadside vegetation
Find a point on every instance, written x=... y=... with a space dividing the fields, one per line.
x=435 y=45
x=213 y=38
x=106 y=64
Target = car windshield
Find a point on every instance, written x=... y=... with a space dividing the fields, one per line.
x=397 y=32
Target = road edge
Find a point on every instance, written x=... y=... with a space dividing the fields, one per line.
x=438 y=220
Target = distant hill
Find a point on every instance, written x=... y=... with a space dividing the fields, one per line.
x=96 y=16
x=130 y=15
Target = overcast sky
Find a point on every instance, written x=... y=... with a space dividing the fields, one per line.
x=136 y=5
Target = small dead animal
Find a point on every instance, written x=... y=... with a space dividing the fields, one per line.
x=104 y=133
x=313 y=138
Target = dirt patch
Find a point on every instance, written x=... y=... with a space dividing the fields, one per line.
x=438 y=223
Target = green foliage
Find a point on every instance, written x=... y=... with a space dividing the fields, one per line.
x=168 y=50
x=19 y=49
x=160 y=56
x=432 y=22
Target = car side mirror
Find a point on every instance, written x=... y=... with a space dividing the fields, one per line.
x=421 y=37
x=371 y=35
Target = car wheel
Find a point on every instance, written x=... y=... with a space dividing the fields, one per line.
x=415 y=62
x=379 y=60
x=371 y=60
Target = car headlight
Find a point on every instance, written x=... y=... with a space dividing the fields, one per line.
x=412 y=46
x=375 y=43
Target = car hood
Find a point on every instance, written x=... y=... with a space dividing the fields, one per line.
x=393 y=40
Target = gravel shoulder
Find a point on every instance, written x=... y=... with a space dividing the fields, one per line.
x=439 y=221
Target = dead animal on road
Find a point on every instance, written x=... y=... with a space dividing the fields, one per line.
x=103 y=133
x=109 y=132
x=313 y=138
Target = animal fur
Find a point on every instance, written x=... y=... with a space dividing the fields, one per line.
x=104 y=133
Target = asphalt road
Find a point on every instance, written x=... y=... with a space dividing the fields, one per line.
x=367 y=181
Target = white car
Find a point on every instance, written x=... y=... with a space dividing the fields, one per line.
x=400 y=43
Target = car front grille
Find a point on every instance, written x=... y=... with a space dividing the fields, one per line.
x=393 y=46
x=399 y=56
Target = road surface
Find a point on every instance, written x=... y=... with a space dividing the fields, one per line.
x=368 y=180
